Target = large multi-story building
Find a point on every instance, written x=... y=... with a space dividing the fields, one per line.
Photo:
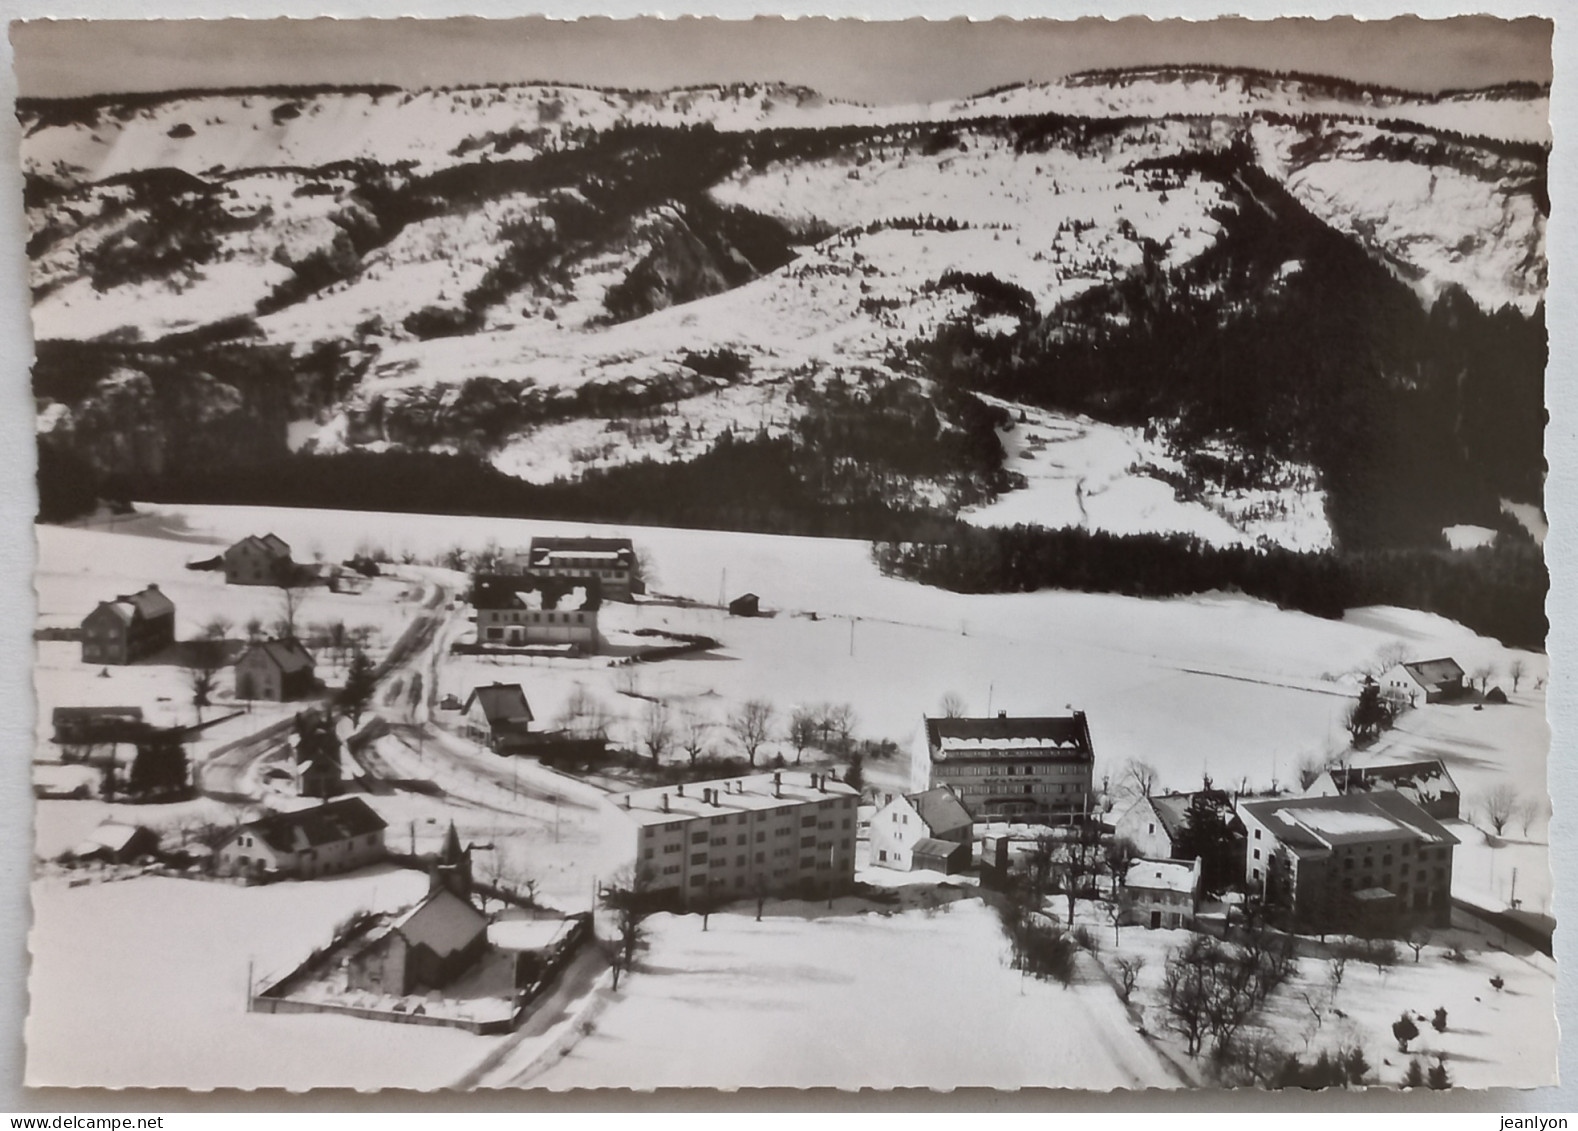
x=129 y=628
x=1036 y=770
x=1359 y=861
x=778 y=833
x=528 y=610
x=611 y=561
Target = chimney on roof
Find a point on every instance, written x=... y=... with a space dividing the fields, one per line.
x=715 y=800
x=627 y=801
x=778 y=784
x=1002 y=714
x=665 y=803
x=821 y=783
x=682 y=789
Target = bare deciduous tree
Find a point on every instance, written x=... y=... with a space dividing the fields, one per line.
x=657 y=731
x=803 y=727
x=1499 y=804
x=626 y=899
x=1516 y=669
x=1129 y=968
x=752 y=724
x=695 y=732
x=952 y=706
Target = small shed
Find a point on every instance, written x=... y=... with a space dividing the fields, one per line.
x=117 y=843
x=746 y=605
x=930 y=854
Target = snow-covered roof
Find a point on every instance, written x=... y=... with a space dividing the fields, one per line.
x=658 y=804
x=1322 y=823
x=528 y=934
x=1027 y=736
x=1162 y=875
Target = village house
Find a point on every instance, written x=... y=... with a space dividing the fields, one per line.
x=926 y=831
x=767 y=833
x=275 y=670
x=1031 y=769
x=1427 y=784
x=1360 y=861
x=1157 y=825
x=116 y=843
x=129 y=628
x=1436 y=681
x=336 y=836
x=497 y=715
x=258 y=561
x=433 y=942
x=526 y=611
x=1160 y=893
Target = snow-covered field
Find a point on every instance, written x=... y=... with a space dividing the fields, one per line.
x=143 y=983
x=850 y=999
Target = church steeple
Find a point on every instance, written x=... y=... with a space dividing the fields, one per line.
x=452 y=868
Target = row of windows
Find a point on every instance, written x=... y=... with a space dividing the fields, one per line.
x=992 y=769
x=500 y=616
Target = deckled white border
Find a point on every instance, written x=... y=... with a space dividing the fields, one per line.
x=16 y=555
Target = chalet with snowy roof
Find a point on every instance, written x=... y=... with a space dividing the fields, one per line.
x=527 y=610
x=1433 y=681
x=611 y=562
x=429 y=945
x=497 y=715
x=1359 y=861
x=258 y=561
x=129 y=628
x=275 y=670
x=772 y=833
x=1426 y=784
x=1157 y=825
x=117 y=843
x=336 y=836
x=1160 y=893
x=1033 y=769
x=926 y=831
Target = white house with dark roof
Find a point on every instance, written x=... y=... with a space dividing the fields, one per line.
x=1009 y=768
x=930 y=830
x=1433 y=681
x=1427 y=784
x=1359 y=860
x=771 y=833
x=497 y=715
x=1160 y=893
x=336 y=836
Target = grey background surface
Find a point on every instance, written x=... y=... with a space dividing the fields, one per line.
x=16 y=562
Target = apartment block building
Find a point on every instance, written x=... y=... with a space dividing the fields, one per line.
x=779 y=833
x=1031 y=769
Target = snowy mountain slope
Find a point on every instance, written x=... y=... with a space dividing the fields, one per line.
x=560 y=280
x=95 y=139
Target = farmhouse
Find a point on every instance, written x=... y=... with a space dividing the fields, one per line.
x=128 y=628
x=529 y=610
x=1036 y=769
x=768 y=833
x=497 y=715
x=1427 y=784
x=276 y=670
x=258 y=561
x=117 y=843
x=929 y=831
x=1360 y=861
x=610 y=561
x=1437 y=681
x=337 y=836
x=1160 y=893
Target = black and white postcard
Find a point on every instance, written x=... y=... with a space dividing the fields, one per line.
x=642 y=553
